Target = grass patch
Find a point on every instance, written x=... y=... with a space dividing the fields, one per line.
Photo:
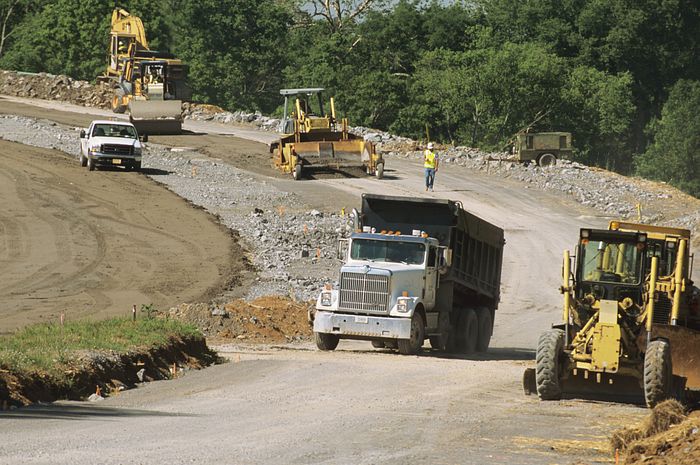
x=53 y=351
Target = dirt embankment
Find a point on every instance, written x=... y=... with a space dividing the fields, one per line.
x=107 y=374
x=668 y=436
x=53 y=87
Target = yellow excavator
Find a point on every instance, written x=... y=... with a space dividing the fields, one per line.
x=316 y=140
x=631 y=319
x=149 y=84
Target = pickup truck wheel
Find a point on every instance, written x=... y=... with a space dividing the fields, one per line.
x=137 y=166
x=485 y=329
x=413 y=344
x=90 y=164
x=83 y=160
x=325 y=341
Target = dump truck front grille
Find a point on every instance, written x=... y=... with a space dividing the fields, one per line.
x=113 y=149
x=364 y=293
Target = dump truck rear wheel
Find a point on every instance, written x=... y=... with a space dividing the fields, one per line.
x=485 y=327
x=296 y=174
x=467 y=332
x=547 y=159
x=325 y=341
x=547 y=374
x=380 y=171
x=413 y=344
x=658 y=372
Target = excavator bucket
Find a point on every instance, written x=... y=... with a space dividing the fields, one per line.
x=156 y=116
x=685 y=352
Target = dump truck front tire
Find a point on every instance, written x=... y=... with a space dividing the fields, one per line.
x=658 y=372
x=547 y=375
x=325 y=341
x=412 y=345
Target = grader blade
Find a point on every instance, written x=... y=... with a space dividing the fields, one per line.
x=610 y=388
x=156 y=116
x=685 y=352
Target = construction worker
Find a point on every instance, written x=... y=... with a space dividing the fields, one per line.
x=431 y=164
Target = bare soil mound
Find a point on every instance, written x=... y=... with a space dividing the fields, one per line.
x=270 y=319
x=668 y=436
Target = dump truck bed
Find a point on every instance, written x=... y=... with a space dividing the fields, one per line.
x=476 y=246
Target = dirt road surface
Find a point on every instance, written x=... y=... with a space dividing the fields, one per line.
x=93 y=246
x=355 y=405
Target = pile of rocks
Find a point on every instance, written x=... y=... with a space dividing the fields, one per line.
x=203 y=112
x=56 y=87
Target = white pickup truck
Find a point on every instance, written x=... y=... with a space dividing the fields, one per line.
x=111 y=143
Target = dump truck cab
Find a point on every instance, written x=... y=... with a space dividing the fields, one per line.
x=543 y=148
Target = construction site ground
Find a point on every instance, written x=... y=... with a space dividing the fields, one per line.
x=279 y=400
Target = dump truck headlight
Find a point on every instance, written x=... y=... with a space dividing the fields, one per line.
x=402 y=306
x=326 y=299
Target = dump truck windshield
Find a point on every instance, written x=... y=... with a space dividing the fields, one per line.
x=410 y=253
x=114 y=130
x=613 y=262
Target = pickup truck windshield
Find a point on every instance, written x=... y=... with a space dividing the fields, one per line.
x=114 y=130
x=611 y=262
x=411 y=253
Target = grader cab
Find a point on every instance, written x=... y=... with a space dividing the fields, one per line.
x=315 y=140
x=631 y=322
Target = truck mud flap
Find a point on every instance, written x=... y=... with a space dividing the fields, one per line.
x=156 y=117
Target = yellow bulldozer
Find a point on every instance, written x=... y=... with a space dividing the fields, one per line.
x=631 y=319
x=314 y=140
x=149 y=84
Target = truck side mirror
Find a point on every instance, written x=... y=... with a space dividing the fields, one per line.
x=82 y=133
x=342 y=251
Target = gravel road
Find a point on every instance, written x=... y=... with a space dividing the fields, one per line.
x=353 y=405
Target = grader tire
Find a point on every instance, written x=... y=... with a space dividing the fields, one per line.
x=325 y=341
x=658 y=372
x=547 y=373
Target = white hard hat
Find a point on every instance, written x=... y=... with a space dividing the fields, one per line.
x=430 y=145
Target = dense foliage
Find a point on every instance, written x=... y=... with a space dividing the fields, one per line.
x=613 y=72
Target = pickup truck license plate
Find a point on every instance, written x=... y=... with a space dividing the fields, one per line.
x=361 y=319
x=116 y=161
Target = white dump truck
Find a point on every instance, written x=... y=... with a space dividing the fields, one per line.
x=414 y=269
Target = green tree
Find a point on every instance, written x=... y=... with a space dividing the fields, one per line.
x=674 y=154
x=235 y=50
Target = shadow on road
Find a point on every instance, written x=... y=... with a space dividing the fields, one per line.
x=80 y=412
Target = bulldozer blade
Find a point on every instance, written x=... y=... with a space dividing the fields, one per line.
x=156 y=116
x=685 y=352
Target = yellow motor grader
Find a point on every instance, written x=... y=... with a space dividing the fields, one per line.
x=631 y=319
x=150 y=84
x=315 y=140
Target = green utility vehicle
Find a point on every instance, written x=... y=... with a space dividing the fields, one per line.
x=544 y=148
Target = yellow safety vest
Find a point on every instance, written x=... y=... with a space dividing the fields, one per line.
x=429 y=159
